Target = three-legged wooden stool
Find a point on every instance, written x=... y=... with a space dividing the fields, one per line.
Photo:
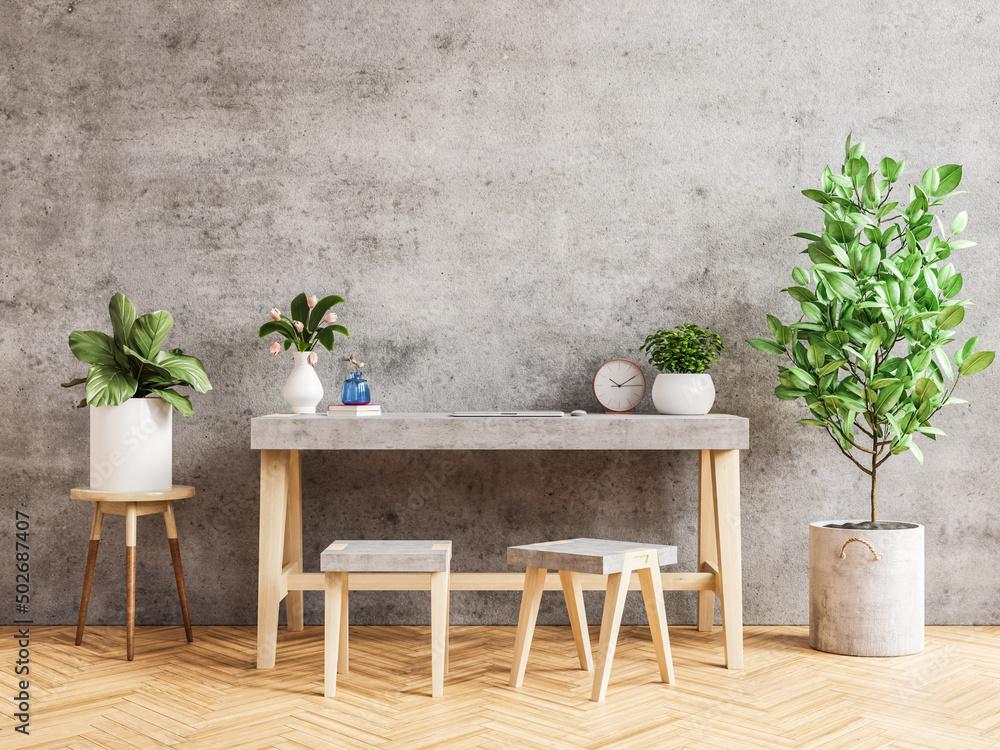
x=616 y=560
x=355 y=556
x=132 y=505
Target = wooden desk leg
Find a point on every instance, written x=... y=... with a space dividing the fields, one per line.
x=531 y=597
x=131 y=514
x=573 y=594
x=293 y=538
x=707 y=542
x=726 y=481
x=175 y=558
x=273 y=494
x=88 y=576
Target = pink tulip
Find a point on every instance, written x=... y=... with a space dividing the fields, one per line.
x=312 y=301
x=313 y=358
x=330 y=318
x=275 y=348
x=298 y=326
x=275 y=315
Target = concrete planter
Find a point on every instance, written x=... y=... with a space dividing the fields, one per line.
x=131 y=446
x=683 y=393
x=860 y=605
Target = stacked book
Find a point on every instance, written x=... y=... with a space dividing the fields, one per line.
x=360 y=410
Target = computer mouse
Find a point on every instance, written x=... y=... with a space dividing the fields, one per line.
x=578 y=413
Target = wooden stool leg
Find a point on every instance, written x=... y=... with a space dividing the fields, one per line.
x=447 y=628
x=614 y=605
x=652 y=597
x=573 y=594
x=175 y=556
x=534 y=583
x=439 y=630
x=333 y=603
x=130 y=534
x=344 y=612
x=88 y=576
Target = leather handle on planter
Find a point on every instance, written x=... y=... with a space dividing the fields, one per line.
x=843 y=549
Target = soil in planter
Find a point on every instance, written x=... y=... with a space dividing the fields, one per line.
x=869 y=526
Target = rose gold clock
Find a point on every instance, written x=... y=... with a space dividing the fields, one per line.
x=619 y=385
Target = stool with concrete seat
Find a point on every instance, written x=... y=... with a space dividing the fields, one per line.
x=132 y=505
x=344 y=557
x=617 y=561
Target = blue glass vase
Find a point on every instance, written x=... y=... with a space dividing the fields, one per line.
x=356 y=391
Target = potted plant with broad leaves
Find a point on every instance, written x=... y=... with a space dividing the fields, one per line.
x=130 y=390
x=869 y=356
x=303 y=389
x=683 y=356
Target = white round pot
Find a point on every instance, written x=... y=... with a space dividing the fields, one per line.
x=860 y=604
x=131 y=446
x=683 y=393
x=303 y=389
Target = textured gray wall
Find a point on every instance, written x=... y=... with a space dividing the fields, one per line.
x=507 y=194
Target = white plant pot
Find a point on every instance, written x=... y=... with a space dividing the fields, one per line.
x=860 y=605
x=683 y=393
x=131 y=446
x=303 y=389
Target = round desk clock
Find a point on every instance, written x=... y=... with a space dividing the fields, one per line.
x=619 y=385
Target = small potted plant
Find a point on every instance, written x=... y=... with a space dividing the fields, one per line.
x=683 y=355
x=303 y=389
x=879 y=305
x=130 y=390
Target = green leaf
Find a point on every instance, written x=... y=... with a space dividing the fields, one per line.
x=952 y=287
x=188 y=370
x=840 y=231
x=950 y=317
x=944 y=366
x=930 y=181
x=789 y=394
x=807 y=236
x=916 y=453
x=325 y=337
x=801 y=376
x=812 y=311
x=276 y=326
x=766 y=345
x=149 y=332
x=812 y=422
x=950 y=175
x=976 y=363
x=832 y=367
x=341 y=330
x=92 y=347
x=109 y=386
x=800 y=294
x=179 y=402
x=887 y=398
x=785 y=336
x=925 y=389
x=961 y=244
x=123 y=317
x=816 y=356
x=74 y=381
x=842 y=286
x=800 y=275
x=774 y=325
x=300 y=309
x=841 y=181
x=316 y=316
x=816 y=195
x=969 y=347
x=959 y=223
x=837 y=338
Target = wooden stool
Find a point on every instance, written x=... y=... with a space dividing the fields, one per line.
x=132 y=505
x=355 y=556
x=616 y=560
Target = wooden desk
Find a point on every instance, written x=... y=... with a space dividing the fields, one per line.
x=280 y=438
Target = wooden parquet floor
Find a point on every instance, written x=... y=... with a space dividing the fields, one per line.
x=208 y=694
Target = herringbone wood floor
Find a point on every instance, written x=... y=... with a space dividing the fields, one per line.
x=209 y=695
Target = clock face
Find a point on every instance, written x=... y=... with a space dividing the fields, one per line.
x=619 y=385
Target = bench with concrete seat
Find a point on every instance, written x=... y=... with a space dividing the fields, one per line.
x=344 y=557
x=616 y=560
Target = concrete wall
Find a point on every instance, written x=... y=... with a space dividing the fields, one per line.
x=507 y=194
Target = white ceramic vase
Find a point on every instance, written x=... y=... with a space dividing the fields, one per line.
x=683 y=393
x=303 y=390
x=131 y=446
x=860 y=604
